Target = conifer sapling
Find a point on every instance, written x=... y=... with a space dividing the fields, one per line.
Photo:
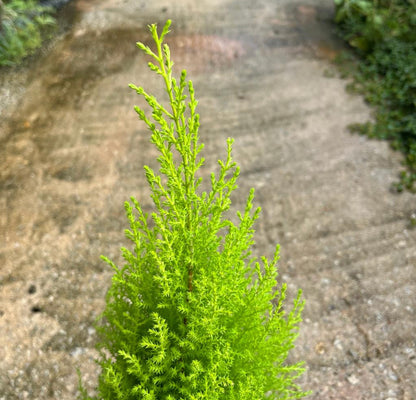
x=192 y=315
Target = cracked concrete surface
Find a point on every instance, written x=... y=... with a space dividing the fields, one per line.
x=72 y=151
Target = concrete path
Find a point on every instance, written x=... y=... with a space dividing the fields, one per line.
x=72 y=150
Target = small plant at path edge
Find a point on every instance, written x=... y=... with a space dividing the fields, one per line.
x=24 y=24
x=383 y=34
x=192 y=314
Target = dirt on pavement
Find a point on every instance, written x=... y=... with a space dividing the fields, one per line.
x=72 y=151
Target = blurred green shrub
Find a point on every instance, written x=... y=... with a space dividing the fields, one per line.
x=383 y=33
x=23 y=26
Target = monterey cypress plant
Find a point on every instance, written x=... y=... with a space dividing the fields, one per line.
x=192 y=315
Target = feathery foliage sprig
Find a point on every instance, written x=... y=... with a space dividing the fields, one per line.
x=193 y=315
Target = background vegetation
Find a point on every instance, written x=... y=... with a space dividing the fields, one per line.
x=23 y=26
x=383 y=34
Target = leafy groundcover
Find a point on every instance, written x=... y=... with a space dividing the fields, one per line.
x=383 y=34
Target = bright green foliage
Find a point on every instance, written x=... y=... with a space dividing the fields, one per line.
x=384 y=34
x=23 y=25
x=192 y=315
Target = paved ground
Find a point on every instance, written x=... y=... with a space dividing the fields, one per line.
x=72 y=150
